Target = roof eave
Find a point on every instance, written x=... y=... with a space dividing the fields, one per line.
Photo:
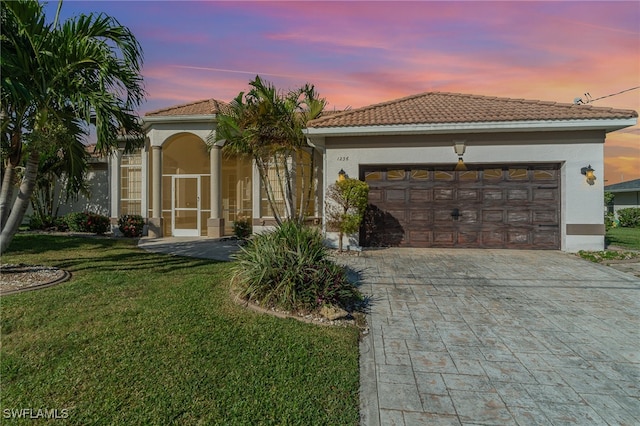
x=622 y=190
x=608 y=125
x=195 y=118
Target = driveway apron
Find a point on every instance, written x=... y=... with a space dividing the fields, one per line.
x=497 y=337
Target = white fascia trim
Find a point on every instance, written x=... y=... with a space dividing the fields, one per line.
x=617 y=191
x=477 y=127
x=209 y=118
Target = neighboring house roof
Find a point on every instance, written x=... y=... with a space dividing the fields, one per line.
x=94 y=156
x=438 y=108
x=628 y=186
x=203 y=107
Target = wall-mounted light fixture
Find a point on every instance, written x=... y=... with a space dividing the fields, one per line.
x=459 y=148
x=588 y=172
x=342 y=175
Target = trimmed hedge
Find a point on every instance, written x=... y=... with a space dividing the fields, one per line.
x=629 y=217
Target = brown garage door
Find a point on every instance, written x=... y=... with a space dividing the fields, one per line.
x=491 y=206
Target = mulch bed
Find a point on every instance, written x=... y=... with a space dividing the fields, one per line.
x=21 y=277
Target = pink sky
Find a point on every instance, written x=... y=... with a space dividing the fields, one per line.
x=359 y=53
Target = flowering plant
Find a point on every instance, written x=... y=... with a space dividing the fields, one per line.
x=242 y=227
x=131 y=225
x=87 y=222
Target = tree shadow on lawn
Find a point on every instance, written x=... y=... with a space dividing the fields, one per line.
x=103 y=253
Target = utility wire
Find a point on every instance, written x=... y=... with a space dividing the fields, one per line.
x=588 y=100
x=614 y=94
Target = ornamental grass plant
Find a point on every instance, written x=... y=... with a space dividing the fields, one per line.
x=288 y=269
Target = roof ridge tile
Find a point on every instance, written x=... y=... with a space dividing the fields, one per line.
x=213 y=106
x=448 y=107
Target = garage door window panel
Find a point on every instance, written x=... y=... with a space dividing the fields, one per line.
x=469 y=175
x=518 y=174
x=394 y=175
x=444 y=176
x=420 y=175
x=492 y=174
x=544 y=175
x=372 y=176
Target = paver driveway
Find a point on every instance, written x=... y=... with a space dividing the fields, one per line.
x=496 y=337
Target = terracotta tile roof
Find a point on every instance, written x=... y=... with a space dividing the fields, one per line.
x=442 y=107
x=204 y=107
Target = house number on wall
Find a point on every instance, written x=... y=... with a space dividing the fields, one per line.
x=343 y=158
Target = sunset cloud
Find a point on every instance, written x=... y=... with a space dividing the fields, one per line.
x=360 y=53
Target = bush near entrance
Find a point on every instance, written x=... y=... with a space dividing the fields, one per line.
x=88 y=222
x=131 y=225
x=242 y=228
x=288 y=269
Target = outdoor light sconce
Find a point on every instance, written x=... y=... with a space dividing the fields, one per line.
x=342 y=175
x=588 y=172
x=458 y=147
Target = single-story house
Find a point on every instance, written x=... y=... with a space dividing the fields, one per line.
x=530 y=172
x=626 y=194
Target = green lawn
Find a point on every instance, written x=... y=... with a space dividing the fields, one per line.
x=140 y=338
x=624 y=237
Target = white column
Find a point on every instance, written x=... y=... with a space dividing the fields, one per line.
x=114 y=193
x=155 y=221
x=215 y=223
x=144 y=202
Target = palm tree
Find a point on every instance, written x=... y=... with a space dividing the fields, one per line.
x=267 y=125
x=84 y=71
x=61 y=173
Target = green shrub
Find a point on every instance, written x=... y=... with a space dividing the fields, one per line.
x=131 y=225
x=288 y=269
x=242 y=228
x=629 y=217
x=36 y=223
x=610 y=221
x=87 y=222
x=348 y=203
x=48 y=223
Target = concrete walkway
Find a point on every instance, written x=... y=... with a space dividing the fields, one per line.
x=487 y=337
x=200 y=248
x=495 y=337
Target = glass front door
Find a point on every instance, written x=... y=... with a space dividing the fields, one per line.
x=185 y=202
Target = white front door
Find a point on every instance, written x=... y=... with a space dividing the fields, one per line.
x=185 y=206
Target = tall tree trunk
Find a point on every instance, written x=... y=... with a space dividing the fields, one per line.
x=289 y=177
x=22 y=201
x=6 y=193
x=281 y=183
x=263 y=169
x=308 y=181
x=9 y=176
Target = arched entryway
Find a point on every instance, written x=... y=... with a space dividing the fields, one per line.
x=186 y=183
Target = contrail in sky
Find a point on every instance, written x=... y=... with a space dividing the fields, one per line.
x=256 y=73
